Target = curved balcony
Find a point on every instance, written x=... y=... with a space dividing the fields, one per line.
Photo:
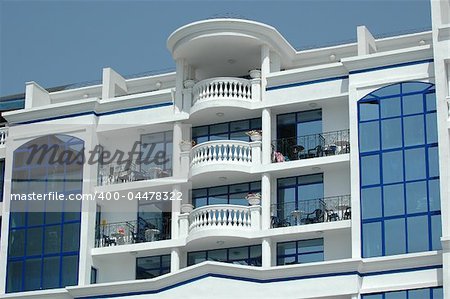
x=223 y=220
x=222 y=88
x=224 y=155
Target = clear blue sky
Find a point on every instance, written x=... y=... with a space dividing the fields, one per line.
x=62 y=42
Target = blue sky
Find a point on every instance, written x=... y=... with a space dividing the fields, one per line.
x=62 y=42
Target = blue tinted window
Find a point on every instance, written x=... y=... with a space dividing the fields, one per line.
x=300 y=252
x=152 y=266
x=229 y=194
x=395 y=295
x=391 y=107
x=371 y=202
x=392 y=167
x=234 y=130
x=419 y=294
x=426 y=293
x=413 y=130
x=403 y=165
x=245 y=255
x=391 y=132
x=436 y=232
x=370 y=170
x=372 y=239
x=45 y=238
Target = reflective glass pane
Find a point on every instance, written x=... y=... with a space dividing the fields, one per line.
x=413 y=130
x=413 y=104
x=196 y=257
x=390 y=107
x=431 y=101
x=438 y=293
x=377 y=296
x=372 y=240
x=287 y=248
x=394 y=201
x=370 y=170
x=389 y=90
x=371 y=202
x=391 y=133
x=308 y=246
x=417 y=234
x=436 y=232
x=369 y=110
x=433 y=162
x=52 y=239
x=394 y=236
x=50 y=277
x=369 y=136
x=239 y=125
x=431 y=128
x=289 y=260
x=392 y=167
x=69 y=270
x=415 y=164
x=14 y=276
x=395 y=295
x=219 y=255
x=32 y=279
x=416 y=197
x=71 y=237
x=434 y=195
x=419 y=294
x=16 y=243
x=34 y=241
x=310 y=258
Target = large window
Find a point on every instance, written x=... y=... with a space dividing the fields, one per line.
x=399 y=170
x=160 y=147
x=152 y=266
x=229 y=194
x=300 y=252
x=428 y=293
x=299 y=123
x=300 y=198
x=44 y=236
x=246 y=255
x=234 y=130
x=2 y=178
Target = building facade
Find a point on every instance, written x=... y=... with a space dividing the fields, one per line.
x=253 y=170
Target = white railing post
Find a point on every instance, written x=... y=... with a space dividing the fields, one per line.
x=187 y=95
x=255 y=217
x=256 y=85
x=3 y=135
x=256 y=152
x=183 y=222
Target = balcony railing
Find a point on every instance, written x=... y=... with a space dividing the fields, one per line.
x=222 y=88
x=224 y=216
x=311 y=146
x=311 y=211
x=229 y=151
x=121 y=173
x=3 y=135
x=130 y=232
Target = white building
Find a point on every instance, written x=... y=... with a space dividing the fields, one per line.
x=352 y=168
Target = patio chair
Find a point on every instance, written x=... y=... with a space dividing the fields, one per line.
x=108 y=241
x=332 y=215
x=315 y=152
x=277 y=222
x=347 y=213
x=315 y=216
x=330 y=150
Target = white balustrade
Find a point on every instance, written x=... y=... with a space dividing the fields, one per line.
x=223 y=87
x=233 y=151
x=230 y=216
x=3 y=135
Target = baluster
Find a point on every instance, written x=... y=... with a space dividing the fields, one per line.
x=249 y=92
x=234 y=218
x=225 y=89
x=241 y=154
x=221 y=220
x=229 y=217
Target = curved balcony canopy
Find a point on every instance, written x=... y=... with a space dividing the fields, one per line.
x=229 y=47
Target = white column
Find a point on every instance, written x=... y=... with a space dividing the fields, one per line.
x=275 y=62
x=255 y=216
x=187 y=95
x=266 y=250
x=265 y=67
x=176 y=208
x=265 y=200
x=256 y=85
x=175 y=260
x=266 y=136
x=177 y=137
x=178 y=105
x=256 y=152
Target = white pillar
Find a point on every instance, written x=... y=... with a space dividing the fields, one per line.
x=177 y=137
x=255 y=216
x=256 y=85
x=265 y=200
x=266 y=136
x=175 y=260
x=266 y=250
x=178 y=105
x=187 y=95
x=256 y=152
x=265 y=67
x=176 y=208
x=183 y=221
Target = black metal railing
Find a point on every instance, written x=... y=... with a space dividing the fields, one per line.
x=311 y=146
x=311 y=211
x=130 y=232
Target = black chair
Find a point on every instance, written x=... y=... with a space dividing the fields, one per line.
x=315 y=152
x=348 y=213
x=277 y=222
x=330 y=150
x=332 y=215
x=315 y=216
x=108 y=241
